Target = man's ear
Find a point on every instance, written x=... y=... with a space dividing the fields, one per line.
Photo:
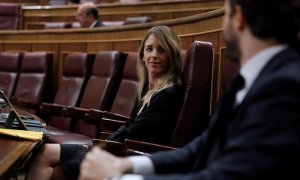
x=238 y=18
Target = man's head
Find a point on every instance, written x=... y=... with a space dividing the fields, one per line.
x=276 y=20
x=87 y=13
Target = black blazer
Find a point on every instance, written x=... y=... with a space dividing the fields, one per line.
x=156 y=122
x=259 y=140
x=98 y=24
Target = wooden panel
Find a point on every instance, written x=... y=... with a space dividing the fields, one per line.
x=160 y=15
x=118 y=7
x=161 y=5
x=94 y=47
x=189 y=12
x=193 y=24
x=12 y=154
x=186 y=41
x=156 y=15
x=221 y=41
x=122 y=17
x=23 y=2
x=17 y=47
x=76 y=47
x=127 y=46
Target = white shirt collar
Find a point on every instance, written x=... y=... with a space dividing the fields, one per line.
x=93 y=24
x=253 y=67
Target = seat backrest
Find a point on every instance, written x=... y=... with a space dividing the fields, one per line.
x=126 y=97
x=130 y=1
x=194 y=112
x=35 y=82
x=227 y=70
x=9 y=71
x=75 y=25
x=101 y=87
x=137 y=20
x=57 y=2
x=76 y=68
x=10 y=15
x=113 y=23
x=57 y=25
x=89 y=1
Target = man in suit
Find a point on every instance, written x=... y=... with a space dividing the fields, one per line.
x=88 y=16
x=255 y=132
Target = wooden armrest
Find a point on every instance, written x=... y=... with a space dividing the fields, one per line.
x=104 y=135
x=26 y=103
x=93 y=116
x=110 y=115
x=131 y=152
x=110 y=125
x=113 y=147
x=75 y=112
x=144 y=147
x=53 y=109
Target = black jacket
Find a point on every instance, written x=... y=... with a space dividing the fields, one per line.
x=156 y=122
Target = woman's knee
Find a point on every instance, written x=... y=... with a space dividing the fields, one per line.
x=50 y=153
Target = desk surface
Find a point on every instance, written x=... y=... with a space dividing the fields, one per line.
x=14 y=151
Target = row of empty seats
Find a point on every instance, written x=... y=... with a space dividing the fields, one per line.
x=102 y=83
x=88 y=81
x=27 y=75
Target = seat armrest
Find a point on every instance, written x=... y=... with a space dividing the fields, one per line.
x=75 y=112
x=104 y=135
x=53 y=109
x=144 y=147
x=93 y=116
x=131 y=152
x=110 y=125
x=110 y=115
x=26 y=103
x=113 y=147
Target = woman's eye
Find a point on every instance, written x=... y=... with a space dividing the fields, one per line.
x=148 y=49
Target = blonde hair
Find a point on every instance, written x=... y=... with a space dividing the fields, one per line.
x=171 y=44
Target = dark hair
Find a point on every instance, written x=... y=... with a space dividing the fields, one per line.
x=75 y=1
x=93 y=11
x=277 y=19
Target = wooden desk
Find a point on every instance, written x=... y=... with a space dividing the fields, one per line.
x=14 y=152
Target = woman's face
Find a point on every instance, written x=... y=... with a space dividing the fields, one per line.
x=155 y=57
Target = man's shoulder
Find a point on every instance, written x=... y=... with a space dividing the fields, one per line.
x=98 y=24
x=287 y=60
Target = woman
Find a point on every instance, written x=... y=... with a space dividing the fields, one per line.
x=159 y=71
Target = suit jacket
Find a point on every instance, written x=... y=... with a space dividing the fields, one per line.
x=260 y=139
x=98 y=24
